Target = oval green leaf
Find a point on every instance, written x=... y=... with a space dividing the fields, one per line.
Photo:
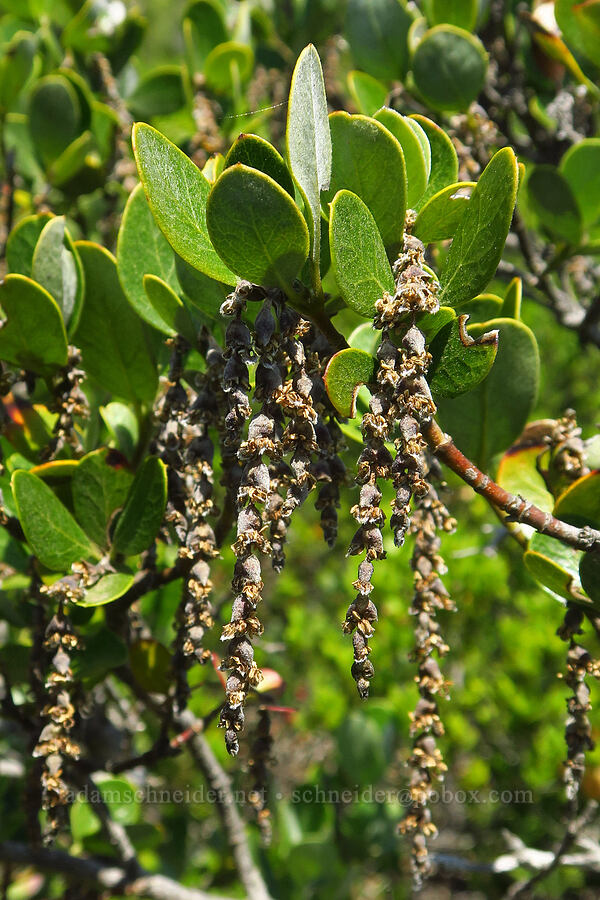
x=345 y=373
x=490 y=418
x=99 y=487
x=581 y=167
x=358 y=256
x=113 y=340
x=462 y=13
x=553 y=202
x=579 y=504
x=257 y=228
x=459 y=361
x=170 y=310
x=138 y=524
x=142 y=250
x=368 y=93
x=108 y=588
x=308 y=140
x=417 y=160
x=589 y=574
x=442 y=214
x=33 y=334
x=160 y=92
x=449 y=67
x=479 y=239
x=444 y=161
x=51 y=531
x=21 y=242
x=54 y=116
x=368 y=160
x=228 y=66
x=377 y=32
x=177 y=192
x=556 y=566
x=257 y=153
x=57 y=267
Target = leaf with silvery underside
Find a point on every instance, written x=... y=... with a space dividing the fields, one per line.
x=479 y=239
x=345 y=373
x=57 y=267
x=177 y=192
x=257 y=228
x=459 y=361
x=308 y=139
x=444 y=161
x=358 y=256
x=442 y=214
x=142 y=250
x=368 y=160
x=20 y=245
x=51 y=531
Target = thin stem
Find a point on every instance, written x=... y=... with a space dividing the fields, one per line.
x=519 y=509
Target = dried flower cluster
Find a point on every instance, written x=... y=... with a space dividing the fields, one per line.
x=55 y=745
x=426 y=763
x=185 y=446
x=400 y=402
x=69 y=402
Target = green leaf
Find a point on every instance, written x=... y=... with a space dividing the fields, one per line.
x=589 y=575
x=442 y=214
x=490 y=418
x=138 y=524
x=57 y=267
x=552 y=200
x=462 y=13
x=54 y=116
x=431 y=324
x=556 y=566
x=308 y=141
x=511 y=306
x=79 y=153
x=33 y=334
x=449 y=67
x=203 y=29
x=151 y=666
x=108 y=588
x=368 y=160
x=358 y=257
x=580 y=26
x=479 y=239
x=460 y=361
x=257 y=228
x=377 y=32
x=255 y=152
x=100 y=485
x=17 y=65
x=177 y=192
x=21 y=243
x=345 y=373
x=122 y=426
x=142 y=250
x=579 y=504
x=444 y=161
x=203 y=292
x=227 y=66
x=159 y=92
x=169 y=309
x=213 y=167
x=112 y=339
x=365 y=337
x=518 y=473
x=581 y=167
x=51 y=531
x=416 y=160
x=368 y=93
x=482 y=308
